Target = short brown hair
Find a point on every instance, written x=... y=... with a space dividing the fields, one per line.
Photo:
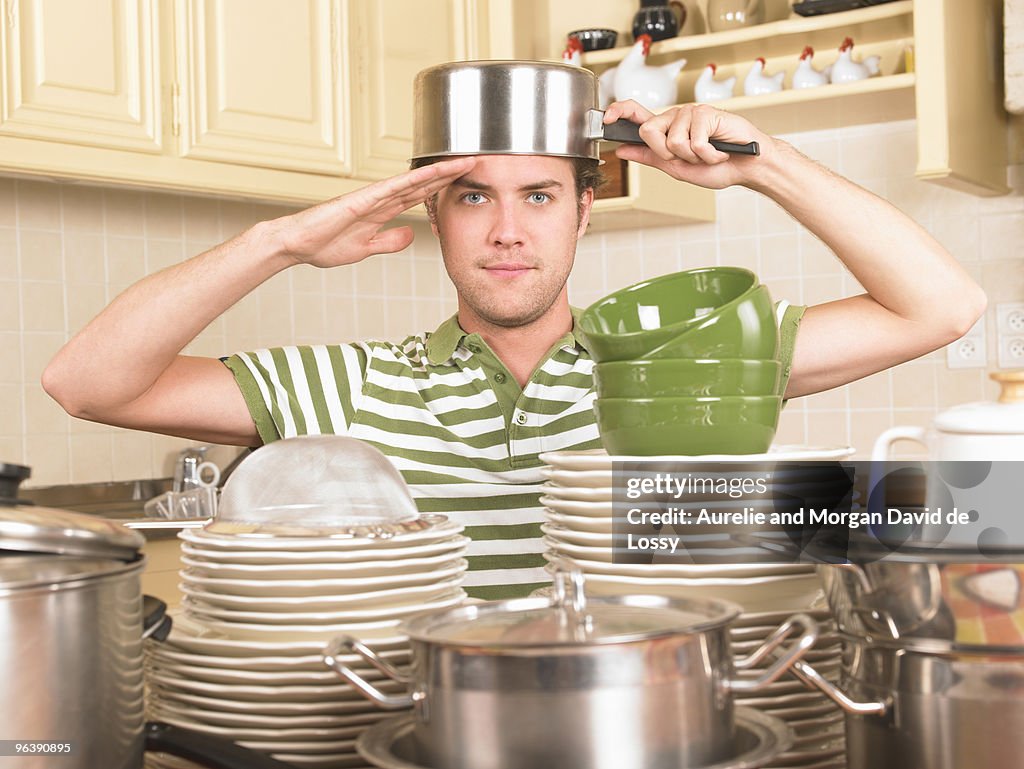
x=585 y=172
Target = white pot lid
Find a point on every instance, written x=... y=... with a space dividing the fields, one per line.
x=1004 y=417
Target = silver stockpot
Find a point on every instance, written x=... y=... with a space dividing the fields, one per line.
x=945 y=710
x=626 y=682
x=511 y=107
x=71 y=634
x=934 y=605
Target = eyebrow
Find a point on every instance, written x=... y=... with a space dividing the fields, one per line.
x=475 y=185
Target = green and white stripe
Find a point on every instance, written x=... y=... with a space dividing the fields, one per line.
x=454 y=422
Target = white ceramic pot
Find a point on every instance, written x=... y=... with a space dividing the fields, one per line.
x=972 y=431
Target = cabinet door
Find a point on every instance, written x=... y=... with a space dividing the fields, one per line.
x=395 y=39
x=263 y=82
x=80 y=72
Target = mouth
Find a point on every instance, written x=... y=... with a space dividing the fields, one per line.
x=508 y=269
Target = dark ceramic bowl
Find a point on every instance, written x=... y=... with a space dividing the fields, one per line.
x=595 y=39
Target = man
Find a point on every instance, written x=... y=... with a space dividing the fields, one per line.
x=463 y=412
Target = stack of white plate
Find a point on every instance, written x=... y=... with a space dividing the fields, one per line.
x=243 y=659
x=578 y=498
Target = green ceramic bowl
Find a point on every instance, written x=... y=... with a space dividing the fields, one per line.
x=674 y=377
x=688 y=426
x=629 y=323
x=745 y=329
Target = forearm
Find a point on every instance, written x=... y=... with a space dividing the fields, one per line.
x=122 y=353
x=900 y=265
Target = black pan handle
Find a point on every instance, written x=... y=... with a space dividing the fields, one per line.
x=628 y=132
x=206 y=749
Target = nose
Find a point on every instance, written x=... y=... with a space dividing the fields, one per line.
x=506 y=229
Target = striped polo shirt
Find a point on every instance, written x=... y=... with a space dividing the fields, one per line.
x=453 y=420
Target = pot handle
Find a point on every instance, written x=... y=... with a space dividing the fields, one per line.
x=783 y=661
x=206 y=749
x=812 y=679
x=332 y=658
x=155 y=622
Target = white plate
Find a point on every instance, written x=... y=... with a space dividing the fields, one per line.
x=268 y=571
x=159 y=710
x=386 y=597
x=275 y=708
x=338 y=747
x=236 y=639
x=599 y=459
x=578 y=493
x=251 y=733
x=577 y=508
x=274 y=588
x=283 y=556
x=581 y=523
x=295 y=665
x=202 y=610
x=672 y=571
x=210 y=675
x=326 y=761
x=169 y=685
x=274 y=544
x=591 y=479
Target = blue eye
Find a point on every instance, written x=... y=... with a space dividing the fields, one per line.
x=468 y=195
x=543 y=195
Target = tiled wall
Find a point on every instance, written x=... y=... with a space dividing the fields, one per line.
x=66 y=250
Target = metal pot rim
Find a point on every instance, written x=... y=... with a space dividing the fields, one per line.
x=934 y=647
x=92 y=570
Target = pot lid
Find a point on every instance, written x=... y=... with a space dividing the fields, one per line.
x=1006 y=416
x=31 y=529
x=20 y=572
x=570 y=619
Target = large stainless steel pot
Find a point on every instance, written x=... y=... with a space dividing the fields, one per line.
x=516 y=108
x=628 y=682
x=959 y=710
x=71 y=631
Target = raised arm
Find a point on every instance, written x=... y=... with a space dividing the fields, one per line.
x=918 y=296
x=125 y=368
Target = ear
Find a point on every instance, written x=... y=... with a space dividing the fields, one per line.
x=585 y=205
x=430 y=204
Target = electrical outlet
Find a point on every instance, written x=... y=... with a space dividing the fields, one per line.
x=1010 y=319
x=969 y=350
x=1011 y=351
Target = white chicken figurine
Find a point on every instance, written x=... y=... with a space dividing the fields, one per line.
x=707 y=89
x=758 y=83
x=846 y=70
x=806 y=76
x=653 y=87
x=573 y=54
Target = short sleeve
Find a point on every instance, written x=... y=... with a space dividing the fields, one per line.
x=301 y=390
x=789 y=317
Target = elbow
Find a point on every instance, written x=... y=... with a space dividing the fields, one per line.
x=59 y=385
x=969 y=306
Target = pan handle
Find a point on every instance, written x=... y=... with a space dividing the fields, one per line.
x=628 y=132
x=342 y=644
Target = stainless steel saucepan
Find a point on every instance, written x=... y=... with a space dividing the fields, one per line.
x=517 y=108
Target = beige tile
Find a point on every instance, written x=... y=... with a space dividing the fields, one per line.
x=785 y=288
x=243 y=318
x=780 y=256
x=828 y=400
x=900 y=148
x=10 y=358
x=125 y=213
x=827 y=428
x=588 y=275
x=42 y=255
x=126 y=259
x=8 y=253
x=773 y=219
x=369 y=279
x=818 y=289
x=91 y=458
x=791 y=430
x=400 y=321
x=739 y=252
x=84 y=258
x=235 y=217
x=48 y=457
x=816 y=258
x=959 y=234
x=307 y=278
x=38 y=205
x=10 y=306
x=371 y=319
x=275 y=315
x=401 y=276
x=917 y=199
x=625 y=239
x=430 y=274
x=43 y=306
x=82 y=208
x=660 y=262
x=1003 y=280
x=863 y=157
x=309 y=318
x=208 y=345
x=201 y=219
x=961 y=386
x=913 y=386
x=340 y=318
x=737 y=216
x=620 y=268
x=872 y=392
x=164 y=216
x=39 y=347
x=161 y=254
x=12 y=449
x=42 y=413
x=698 y=253
x=1001 y=235
x=8 y=204
x=13 y=414
x=695 y=232
x=865 y=427
x=165 y=451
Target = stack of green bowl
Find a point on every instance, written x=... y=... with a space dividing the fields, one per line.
x=686 y=364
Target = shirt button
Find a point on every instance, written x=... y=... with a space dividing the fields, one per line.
x=499 y=377
x=521 y=419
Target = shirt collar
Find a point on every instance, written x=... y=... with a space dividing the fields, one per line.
x=446 y=339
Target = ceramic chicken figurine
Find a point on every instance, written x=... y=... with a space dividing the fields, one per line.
x=806 y=76
x=707 y=89
x=758 y=83
x=653 y=87
x=846 y=70
x=573 y=54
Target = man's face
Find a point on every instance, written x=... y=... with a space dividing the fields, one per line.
x=508 y=232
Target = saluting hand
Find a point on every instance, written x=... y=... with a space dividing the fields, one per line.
x=347 y=229
x=678 y=143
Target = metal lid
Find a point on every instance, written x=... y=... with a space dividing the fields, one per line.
x=21 y=572
x=570 y=619
x=30 y=529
